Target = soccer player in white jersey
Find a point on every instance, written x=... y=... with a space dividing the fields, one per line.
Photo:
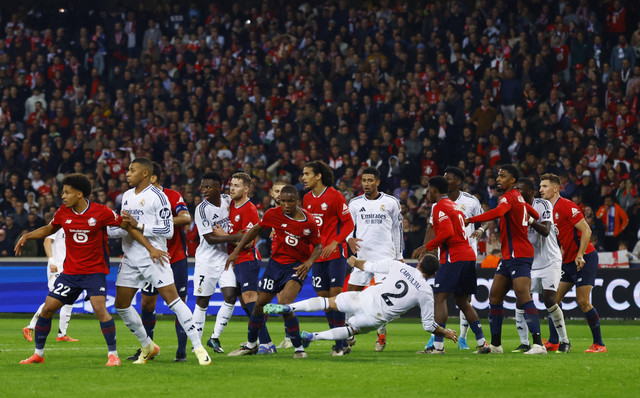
x=55 y=250
x=212 y=253
x=471 y=207
x=147 y=208
x=545 y=270
x=403 y=288
x=377 y=234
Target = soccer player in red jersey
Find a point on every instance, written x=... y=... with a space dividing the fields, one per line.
x=457 y=273
x=243 y=215
x=579 y=258
x=87 y=261
x=331 y=213
x=296 y=247
x=517 y=256
x=177 y=251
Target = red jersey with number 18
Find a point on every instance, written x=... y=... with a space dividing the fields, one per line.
x=294 y=239
x=244 y=218
x=450 y=233
x=331 y=214
x=86 y=238
x=566 y=215
x=176 y=245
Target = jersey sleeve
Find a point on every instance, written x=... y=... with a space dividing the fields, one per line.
x=444 y=232
x=202 y=222
x=344 y=214
x=163 y=225
x=353 y=218
x=252 y=217
x=576 y=214
x=268 y=220
x=545 y=213
x=377 y=267
x=109 y=217
x=426 y=310
x=397 y=231
x=114 y=232
x=503 y=207
x=314 y=238
x=57 y=218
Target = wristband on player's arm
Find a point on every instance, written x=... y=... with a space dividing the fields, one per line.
x=140 y=226
x=50 y=261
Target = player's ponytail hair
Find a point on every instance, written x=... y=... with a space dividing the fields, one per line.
x=429 y=265
x=78 y=182
x=321 y=167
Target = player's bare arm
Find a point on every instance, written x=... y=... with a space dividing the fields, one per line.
x=584 y=242
x=477 y=234
x=39 y=233
x=303 y=269
x=353 y=244
x=246 y=239
x=48 y=251
x=330 y=248
x=355 y=263
x=543 y=228
x=221 y=233
x=447 y=333
x=183 y=218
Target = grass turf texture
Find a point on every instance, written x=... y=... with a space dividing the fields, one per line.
x=77 y=369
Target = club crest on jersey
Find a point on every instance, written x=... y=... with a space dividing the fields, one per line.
x=306 y=232
x=92 y=222
x=381 y=207
x=324 y=206
x=68 y=222
x=142 y=203
x=463 y=207
x=237 y=218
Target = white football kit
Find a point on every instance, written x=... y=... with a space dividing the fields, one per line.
x=403 y=288
x=150 y=207
x=471 y=207
x=378 y=222
x=210 y=259
x=547 y=258
x=58 y=251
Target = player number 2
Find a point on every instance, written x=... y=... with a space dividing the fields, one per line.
x=464 y=231
x=403 y=292
x=62 y=290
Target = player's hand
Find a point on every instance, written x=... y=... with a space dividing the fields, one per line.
x=451 y=335
x=53 y=268
x=466 y=222
x=128 y=218
x=18 y=248
x=353 y=244
x=217 y=231
x=477 y=234
x=419 y=252
x=125 y=225
x=302 y=270
x=352 y=261
x=330 y=248
x=580 y=262
x=231 y=261
x=160 y=256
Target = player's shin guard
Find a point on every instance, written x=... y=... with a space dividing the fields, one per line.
x=496 y=317
x=65 y=317
x=339 y=334
x=464 y=326
x=438 y=342
x=199 y=317
x=255 y=323
x=149 y=322
x=310 y=305
x=521 y=326
x=182 y=338
x=293 y=330
x=556 y=319
x=594 y=323
x=32 y=323
x=42 y=329
x=476 y=328
x=186 y=319
x=533 y=321
x=339 y=320
x=222 y=319
x=109 y=333
x=133 y=321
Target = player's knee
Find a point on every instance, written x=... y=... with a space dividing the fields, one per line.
x=202 y=302
x=584 y=303
x=148 y=305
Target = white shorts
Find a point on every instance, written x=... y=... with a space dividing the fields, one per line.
x=363 y=278
x=135 y=276
x=207 y=277
x=360 y=305
x=545 y=278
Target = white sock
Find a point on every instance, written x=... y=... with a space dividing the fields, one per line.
x=132 y=320
x=310 y=305
x=223 y=317
x=339 y=333
x=40 y=352
x=65 y=317
x=187 y=321
x=438 y=345
x=521 y=325
x=199 y=317
x=464 y=326
x=382 y=329
x=112 y=353
x=32 y=324
x=557 y=317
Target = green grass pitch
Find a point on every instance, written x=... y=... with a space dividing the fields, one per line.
x=77 y=369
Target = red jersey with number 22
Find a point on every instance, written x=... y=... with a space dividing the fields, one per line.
x=566 y=215
x=450 y=234
x=86 y=238
x=331 y=214
x=294 y=239
x=244 y=218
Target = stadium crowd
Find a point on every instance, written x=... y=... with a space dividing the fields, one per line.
x=265 y=87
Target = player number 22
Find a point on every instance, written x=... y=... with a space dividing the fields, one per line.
x=62 y=290
x=403 y=292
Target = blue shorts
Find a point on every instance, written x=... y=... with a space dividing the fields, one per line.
x=277 y=275
x=67 y=288
x=247 y=274
x=180 y=279
x=515 y=267
x=586 y=276
x=458 y=278
x=329 y=274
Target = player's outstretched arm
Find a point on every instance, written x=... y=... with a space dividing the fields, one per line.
x=155 y=254
x=219 y=235
x=543 y=228
x=39 y=233
x=246 y=239
x=500 y=210
x=355 y=263
x=303 y=269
